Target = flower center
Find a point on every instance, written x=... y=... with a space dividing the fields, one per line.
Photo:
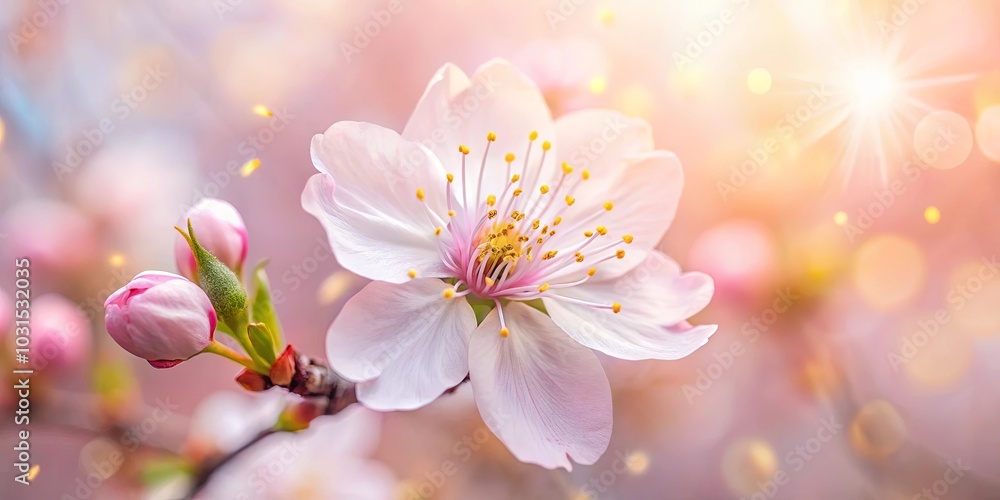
x=504 y=245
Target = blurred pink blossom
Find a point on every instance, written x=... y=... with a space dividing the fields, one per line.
x=60 y=333
x=220 y=229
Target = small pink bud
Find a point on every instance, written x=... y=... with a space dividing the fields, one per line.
x=160 y=317
x=219 y=229
x=283 y=368
x=60 y=333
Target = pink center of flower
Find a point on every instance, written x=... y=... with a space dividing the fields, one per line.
x=504 y=244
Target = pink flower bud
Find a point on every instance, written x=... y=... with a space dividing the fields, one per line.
x=60 y=333
x=220 y=229
x=160 y=317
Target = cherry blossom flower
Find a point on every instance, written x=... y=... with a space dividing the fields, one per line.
x=485 y=201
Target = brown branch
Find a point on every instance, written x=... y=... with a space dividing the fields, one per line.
x=312 y=379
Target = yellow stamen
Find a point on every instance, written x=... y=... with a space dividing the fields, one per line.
x=570 y=200
x=550 y=254
x=491 y=136
x=463 y=149
x=504 y=332
x=518 y=191
x=451 y=178
x=601 y=230
x=546 y=146
x=585 y=174
x=533 y=135
x=566 y=168
x=509 y=158
x=451 y=213
x=591 y=272
x=544 y=189
x=616 y=307
x=491 y=200
x=620 y=254
x=437 y=231
x=491 y=214
x=448 y=293
x=544 y=287
x=588 y=234
x=514 y=178
x=579 y=257
x=609 y=206
x=556 y=221
x=627 y=239
x=489 y=281
x=420 y=194
x=412 y=273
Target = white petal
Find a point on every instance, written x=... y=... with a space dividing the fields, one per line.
x=366 y=200
x=498 y=99
x=545 y=396
x=407 y=335
x=433 y=107
x=655 y=298
x=599 y=140
x=645 y=194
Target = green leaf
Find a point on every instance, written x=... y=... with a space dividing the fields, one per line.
x=262 y=341
x=262 y=309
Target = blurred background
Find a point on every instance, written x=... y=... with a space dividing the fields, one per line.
x=841 y=162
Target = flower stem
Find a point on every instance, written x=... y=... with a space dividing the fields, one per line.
x=221 y=349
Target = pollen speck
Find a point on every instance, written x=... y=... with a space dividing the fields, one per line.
x=249 y=167
x=504 y=332
x=451 y=213
x=262 y=110
x=437 y=231
x=585 y=174
x=448 y=293
x=420 y=194
x=609 y=206
x=412 y=273
x=616 y=307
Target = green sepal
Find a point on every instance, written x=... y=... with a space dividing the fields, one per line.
x=220 y=283
x=159 y=470
x=262 y=341
x=262 y=309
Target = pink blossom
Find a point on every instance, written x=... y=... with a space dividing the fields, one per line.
x=60 y=333
x=484 y=196
x=160 y=317
x=220 y=229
